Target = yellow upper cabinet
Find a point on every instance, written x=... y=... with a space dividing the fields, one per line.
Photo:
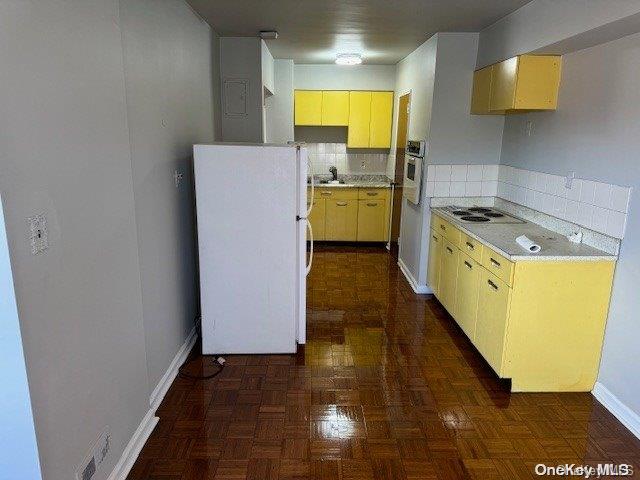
x=335 y=108
x=527 y=82
x=481 y=95
x=308 y=107
x=359 y=119
x=522 y=83
x=381 y=117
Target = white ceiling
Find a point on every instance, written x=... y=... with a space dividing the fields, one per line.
x=383 y=31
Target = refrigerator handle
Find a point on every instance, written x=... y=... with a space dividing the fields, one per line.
x=310 y=247
x=310 y=171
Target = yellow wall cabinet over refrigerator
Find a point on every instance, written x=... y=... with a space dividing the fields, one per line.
x=518 y=84
x=538 y=322
x=308 y=107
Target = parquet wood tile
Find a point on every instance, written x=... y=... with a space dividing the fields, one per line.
x=387 y=387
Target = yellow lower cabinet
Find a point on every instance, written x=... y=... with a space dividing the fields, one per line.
x=467 y=294
x=316 y=218
x=372 y=221
x=448 y=277
x=435 y=258
x=491 y=324
x=341 y=219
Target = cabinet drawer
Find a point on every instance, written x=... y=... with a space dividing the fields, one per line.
x=497 y=264
x=450 y=232
x=337 y=193
x=373 y=193
x=471 y=247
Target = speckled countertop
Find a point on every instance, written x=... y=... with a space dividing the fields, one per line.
x=501 y=237
x=353 y=181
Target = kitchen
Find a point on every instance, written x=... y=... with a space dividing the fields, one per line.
x=334 y=239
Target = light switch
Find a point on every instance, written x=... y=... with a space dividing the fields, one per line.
x=38 y=237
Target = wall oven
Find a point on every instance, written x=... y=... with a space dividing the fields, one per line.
x=413 y=162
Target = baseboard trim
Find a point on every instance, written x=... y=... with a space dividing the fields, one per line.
x=133 y=448
x=172 y=372
x=627 y=417
x=412 y=281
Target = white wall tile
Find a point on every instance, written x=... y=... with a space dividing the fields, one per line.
x=619 y=198
x=341 y=148
x=441 y=189
x=616 y=224
x=547 y=203
x=431 y=173
x=473 y=189
x=571 y=211
x=474 y=173
x=602 y=194
x=599 y=220
x=443 y=173
x=458 y=173
x=490 y=173
x=541 y=181
x=429 y=189
x=530 y=198
x=457 y=189
x=574 y=192
x=489 y=188
x=559 y=206
x=585 y=214
x=588 y=191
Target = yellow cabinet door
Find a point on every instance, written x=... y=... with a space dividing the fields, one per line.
x=538 y=82
x=433 y=267
x=341 y=220
x=373 y=220
x=503 y=88
x=316 y=218
x=467 y=294
x=449 y=277
x=381 y=118
x=359 y=119
x=308 y=107
x=335 y=108
x=481 y=95
x=491 y=324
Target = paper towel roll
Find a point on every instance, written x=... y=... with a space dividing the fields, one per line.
x=528 y=244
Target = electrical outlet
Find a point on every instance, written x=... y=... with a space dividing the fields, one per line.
x=177 y=177
x=528 y=128
x=568 y=180
x=38 y=236
x=95 y=457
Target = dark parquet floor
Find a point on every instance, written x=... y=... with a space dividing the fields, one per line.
x=388 y=387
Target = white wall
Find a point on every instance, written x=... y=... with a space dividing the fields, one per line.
x=596 y=133
x=268 y=80
x=18 y=447
x=551 y=25
x=279 y=107
x=168 y=74
x=64 y=151
x=241 y=58
x=341 y=77
x=439 y=75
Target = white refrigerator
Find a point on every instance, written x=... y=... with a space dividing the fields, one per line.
x=251 y=203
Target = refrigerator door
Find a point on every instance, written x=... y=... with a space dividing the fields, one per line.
x=247 y=200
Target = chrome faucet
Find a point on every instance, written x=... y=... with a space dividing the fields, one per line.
x=334 y=172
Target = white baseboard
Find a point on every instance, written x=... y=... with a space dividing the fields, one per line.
x=627 y=417
x=412 y=281
x=140 y=436
x=133 y=448
x=172 y=372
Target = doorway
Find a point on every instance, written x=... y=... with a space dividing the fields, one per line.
x=401 y=142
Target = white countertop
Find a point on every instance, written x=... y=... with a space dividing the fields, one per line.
x=501 y=237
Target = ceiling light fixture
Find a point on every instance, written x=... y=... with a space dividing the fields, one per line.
x=349 y=59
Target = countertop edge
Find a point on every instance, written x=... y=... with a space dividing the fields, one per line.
x=524 y=257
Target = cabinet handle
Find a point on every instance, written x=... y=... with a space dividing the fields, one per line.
x=495 y=262
x=470 y=246
x=443 y=227
x=325 y=194
x=372 y=194
x=372 y=204
x=469 y=266
x=341 y=204
x=492 y=285
x=434 y=238
x=449 y=250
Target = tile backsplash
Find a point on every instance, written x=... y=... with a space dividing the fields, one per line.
x=324 y=155
x=598 y=206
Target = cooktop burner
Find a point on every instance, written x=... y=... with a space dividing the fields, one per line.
x=474 y=218
x=493 y=215
x=461 y=212
x=479 y=210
